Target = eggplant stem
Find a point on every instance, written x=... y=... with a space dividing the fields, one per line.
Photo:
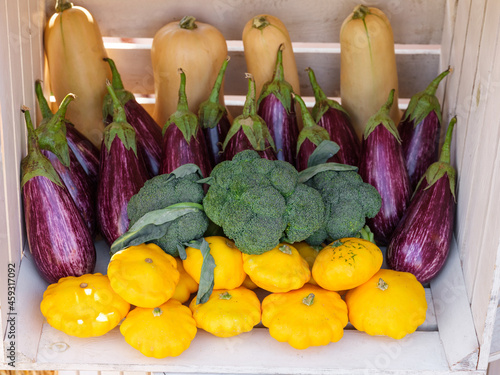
x=445 y=150
x=63 y=107
x=388 y=104
x=42 y=102
x=319 y=94
x=214 y=95
x=116 y=79
x=182 y=103
x=32 y=139
x=249 y=109
x=306 y=116
x=118 y=110
x=433 y=86
x=279 y=74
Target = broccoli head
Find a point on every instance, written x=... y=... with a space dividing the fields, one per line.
x=173 y=191
x=260 y=203
x=348 y=202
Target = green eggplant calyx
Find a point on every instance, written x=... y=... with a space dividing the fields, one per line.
x=35 y=163
x=188 y=23
x=62 y=5
x=383 y=118
x=360 y=12
x=51 y=133
x=119 y=127
x=424 y=102
x=183 y=118
x=438 y=169
x=211 y=111
x=312 y=131
x=280 y=88
x=260 y=22
x=323 y=104
x=42 y=102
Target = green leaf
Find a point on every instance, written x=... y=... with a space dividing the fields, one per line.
x=324 y=151
x=310 y=172
x=206 y=285
x=153 y=225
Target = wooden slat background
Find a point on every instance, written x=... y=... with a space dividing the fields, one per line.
x=472 y=94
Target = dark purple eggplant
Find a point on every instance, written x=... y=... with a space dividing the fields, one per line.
x=214 y=120
x=82 y=148
x=183 y=139
x=382 y=166
x=309 y=138
x=122 y=173
x=148 y=132
x=276 y=106
x=59 y=240
x=249 y=131
x=421 y=241
x=420 y=128
x=51 y=135
x=330 y=115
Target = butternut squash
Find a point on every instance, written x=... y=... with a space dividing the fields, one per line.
x=196 y=47
x=75 y=50
x=367 y=65
x=262 y=37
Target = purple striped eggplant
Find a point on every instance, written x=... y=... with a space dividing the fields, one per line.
x=420 y=128
x=148 y=132
x=183 y=139
x=122 y=173
x=309 y=138
x=51 y=135
x=382 y=166
x=276 y=106
x=421 y=241
x=330 y=115
x=83 y=149
x=58 y=238
x=249 y=131
x=214 y=119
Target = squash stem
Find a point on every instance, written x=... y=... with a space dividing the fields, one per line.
x=360 y=12
x=62 y=5
x=249 y=109
x=382 y=285
x=42 y=102
x=118 y=110
x=188 y=23
x=260 y=22
x=157 y=311
x=225 y=296
x=116 y=79
x=214 y=95
x=309 y=300
x=445 y=150
x=432 y=88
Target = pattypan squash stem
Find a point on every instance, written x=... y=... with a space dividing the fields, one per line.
x=42 y=102
x=309 y=300
x=285 y=249
x=445 y=150
x=157 y=311
x=118 y=110
x=116 y=79
x=148 y=260
x=382 y=285
x=188 y=23
x=225 y=295
x=84 y=285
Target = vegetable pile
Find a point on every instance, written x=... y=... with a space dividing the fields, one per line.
x=199 y=208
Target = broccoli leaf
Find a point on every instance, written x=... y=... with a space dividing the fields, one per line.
x=153 y=225
x=207 y=270
x=325 y=150
x=310 y=172
x=185 y=170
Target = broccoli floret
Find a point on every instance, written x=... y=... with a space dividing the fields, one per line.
x=348 y=202
x=259 y=203
x=166 y=190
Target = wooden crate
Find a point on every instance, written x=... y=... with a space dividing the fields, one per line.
x=429 y=36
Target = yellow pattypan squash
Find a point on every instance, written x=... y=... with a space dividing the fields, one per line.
x=163 y=331
x=309 y=253
x=186 y=285
x=310 y=316
x=391 y=303
x=228 y=273
x=144 y=275
x=346 y=263
x=248 y=283
x=227 y=312
x=84 y=306
x=278 y=270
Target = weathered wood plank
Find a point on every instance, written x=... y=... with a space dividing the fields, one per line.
x=413 y=22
